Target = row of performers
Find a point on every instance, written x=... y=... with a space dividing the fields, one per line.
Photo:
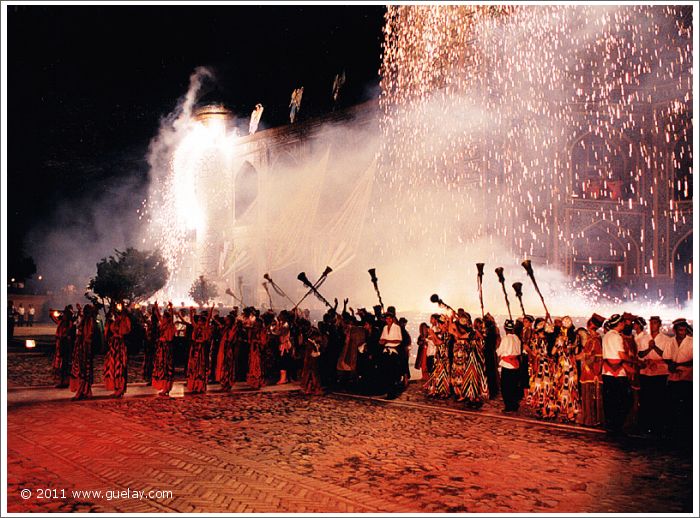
x=626 y=378
x=367 y=352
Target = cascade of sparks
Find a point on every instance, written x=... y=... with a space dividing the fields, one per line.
x=497 y=118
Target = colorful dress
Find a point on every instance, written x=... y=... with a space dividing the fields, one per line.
x=458 y=378
x=476 y=385
x=164 y=361
x=541 y=397
x=225 y=365
x=591 y=378
x=565 y=378
x=197 y=364
x=81 y=374
x=258 y=337
x=65 y=338
x=115 y=367
x=438 y=384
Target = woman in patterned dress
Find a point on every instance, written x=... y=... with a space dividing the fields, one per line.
x=81 y=367
x=566 y=376
x=163 y=361
x=458 y=378
x=438 y=384
x=225 y=364
x=257 y=339
x=591 y=357
x=115 y=366
x=65 y=339
x=477 y=388
x=541 y=396
x=197 y=364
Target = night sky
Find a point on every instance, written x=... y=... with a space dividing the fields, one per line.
x=88 y=85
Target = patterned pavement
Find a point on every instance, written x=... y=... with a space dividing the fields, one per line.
x=282 y=451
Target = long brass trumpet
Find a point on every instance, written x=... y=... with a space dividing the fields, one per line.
x=527 y=264
x=276 y=287
x=518 y=287
x=312 y=287
x=373 y=276
x=502 y=280
x=479 y=282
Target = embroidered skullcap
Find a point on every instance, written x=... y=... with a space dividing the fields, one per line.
x=614 y=320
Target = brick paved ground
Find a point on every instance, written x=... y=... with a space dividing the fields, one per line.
x=286 y=452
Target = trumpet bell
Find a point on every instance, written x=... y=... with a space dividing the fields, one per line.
x=303 y=278
x=326 y=271
x=499 y=272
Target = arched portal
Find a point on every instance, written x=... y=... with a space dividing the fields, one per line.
x=603 y=260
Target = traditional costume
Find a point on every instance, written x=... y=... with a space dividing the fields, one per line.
x=438 y=384
x=541 y=397
x=115 y=366
x=257 y=339
x=565 y=375
x=164 y=361
x=591 y=357
x=198 y=360
x=81 y=376
x=476 y=390
x=225 y=365
x=65 y=339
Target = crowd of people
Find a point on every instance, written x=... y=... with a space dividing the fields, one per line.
x=625 y=378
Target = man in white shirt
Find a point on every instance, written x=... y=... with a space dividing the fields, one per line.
x=509 y=363
x=653 y=373
x=679 y=358
x=390 y=340
x=616 y=389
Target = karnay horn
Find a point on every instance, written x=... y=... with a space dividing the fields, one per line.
x=375 y=282
x=313 y=288
x=479 y=279
x=502 y=280
x=518 y=287
x=527 y=264
x=277 y=289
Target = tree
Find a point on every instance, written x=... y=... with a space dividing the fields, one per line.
x=203 y=291
x=130 y=276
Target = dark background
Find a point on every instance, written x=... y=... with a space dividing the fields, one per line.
x=88 y=85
